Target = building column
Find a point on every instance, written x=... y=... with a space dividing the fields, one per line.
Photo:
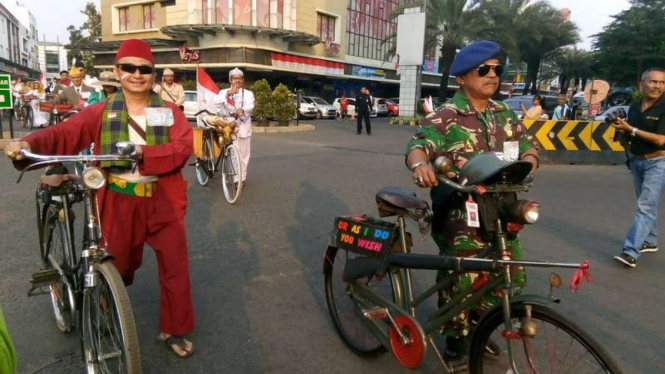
x=409 y=90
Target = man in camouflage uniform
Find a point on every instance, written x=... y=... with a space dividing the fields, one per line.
x=468 y=124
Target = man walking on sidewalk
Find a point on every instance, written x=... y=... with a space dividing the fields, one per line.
x=363 y=109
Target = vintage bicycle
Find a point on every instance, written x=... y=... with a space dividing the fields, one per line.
x=216 y=137
x=371 y=301
x=85 y=288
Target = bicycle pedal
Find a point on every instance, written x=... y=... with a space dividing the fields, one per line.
x=375 y=313
x=44 y=278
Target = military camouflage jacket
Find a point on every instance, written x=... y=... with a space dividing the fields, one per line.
x=458 y=131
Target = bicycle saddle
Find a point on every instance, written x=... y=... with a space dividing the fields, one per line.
x=401 y=198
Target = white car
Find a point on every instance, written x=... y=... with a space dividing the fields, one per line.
x=380 y=107
x=603 y=115
x=191 y=104
x=323 y=108
x=307 y=110
x=352 y=107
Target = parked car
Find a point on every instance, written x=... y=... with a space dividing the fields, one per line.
x=393 y=107
x=603 y=115
x=380 y=107
x=191 y=104
x=549 y=103
x=307 y=110
x=352 y=106
x=323 y=108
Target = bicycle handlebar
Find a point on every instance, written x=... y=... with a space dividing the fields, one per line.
x=77 y=158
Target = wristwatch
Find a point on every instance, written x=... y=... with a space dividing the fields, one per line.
x=634 y=132
x=415 y=165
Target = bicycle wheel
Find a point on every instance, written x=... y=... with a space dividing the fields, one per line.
x=231 y=174
x=559 y=346
x=57 y=249
x=205 y=165
x=345 y=311
x=110 y=340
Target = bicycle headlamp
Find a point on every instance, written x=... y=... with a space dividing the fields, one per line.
x=523 y=211
x=94 y=178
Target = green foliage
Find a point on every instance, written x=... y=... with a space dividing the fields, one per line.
x=632 y=43
x=188 y=84
x=90 y=32
x=283 y=105
x=572 y=63
x=263 y=106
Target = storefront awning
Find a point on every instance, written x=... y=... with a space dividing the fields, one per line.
x=291 y=36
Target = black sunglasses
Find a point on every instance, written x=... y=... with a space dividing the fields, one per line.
x=483 y=70
x=131 y=68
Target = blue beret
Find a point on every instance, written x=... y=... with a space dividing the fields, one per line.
x=473 y=55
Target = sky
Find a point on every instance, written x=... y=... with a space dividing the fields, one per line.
x=53 y=16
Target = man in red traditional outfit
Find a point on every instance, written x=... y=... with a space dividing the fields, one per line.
x=137 y=206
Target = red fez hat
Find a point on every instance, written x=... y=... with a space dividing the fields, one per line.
x=134 y=48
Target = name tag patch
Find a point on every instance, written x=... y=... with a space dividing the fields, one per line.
x=159 y=117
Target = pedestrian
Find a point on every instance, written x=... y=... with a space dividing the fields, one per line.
x=536 y=111
x=646 y=126
x=363 y=110
x=168 y=90
x=39 y=118
x=78 y=93
x=107 y=84
x=343 y=108
x=241 y=101
x=7 y=352
x=146 y=204
x=562 y=111
x=479 y=124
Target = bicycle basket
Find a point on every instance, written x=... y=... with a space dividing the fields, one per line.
x=365 y=235
x=46 y=106
x=63 y=108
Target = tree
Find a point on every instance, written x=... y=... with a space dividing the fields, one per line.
x=283 y=107
x=574 y=64
x=263 y=100
x=90 y=32
x=540 y=31
x=632 y=43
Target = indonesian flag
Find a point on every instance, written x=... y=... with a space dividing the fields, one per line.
x=206 y=88
x=42 y=78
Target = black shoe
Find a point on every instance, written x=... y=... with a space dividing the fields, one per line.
x=648 y=248
x=492 y=348
x=369 y=133
x=626 y=259
x=455 y=348
x=358 y=133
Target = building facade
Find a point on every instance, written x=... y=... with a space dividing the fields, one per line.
x=52 y=58
x=18 y=41
x=324 y=47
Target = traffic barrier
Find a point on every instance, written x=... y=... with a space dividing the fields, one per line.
x=576 y=142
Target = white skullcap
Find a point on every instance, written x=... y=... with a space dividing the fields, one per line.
x=168 y=71
x=236 y=71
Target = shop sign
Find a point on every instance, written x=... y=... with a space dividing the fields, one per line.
x=367 y=72
x=189 y=55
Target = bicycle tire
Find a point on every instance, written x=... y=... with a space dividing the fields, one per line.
x=109 y=294
x=205 y=166
x=548 y=322
x=348 y=323
x=231 y=174
x=55 y=251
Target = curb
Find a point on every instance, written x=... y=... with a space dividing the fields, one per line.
x=305 y=127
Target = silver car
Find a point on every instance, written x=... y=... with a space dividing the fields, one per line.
x=323 y=108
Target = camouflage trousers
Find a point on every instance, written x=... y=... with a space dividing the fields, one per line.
x=454 y=237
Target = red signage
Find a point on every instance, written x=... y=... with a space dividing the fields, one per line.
x=188 y=55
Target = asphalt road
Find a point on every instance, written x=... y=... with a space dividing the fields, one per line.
x=256 y=266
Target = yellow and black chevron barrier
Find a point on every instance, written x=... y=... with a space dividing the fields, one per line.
x=576 y=141
x=573 y=135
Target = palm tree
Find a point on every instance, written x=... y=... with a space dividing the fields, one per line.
x=540 y=31
x=574 y=64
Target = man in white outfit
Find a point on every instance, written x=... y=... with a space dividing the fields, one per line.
x=238 y=99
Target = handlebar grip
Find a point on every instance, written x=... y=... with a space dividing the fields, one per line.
x=456 y=186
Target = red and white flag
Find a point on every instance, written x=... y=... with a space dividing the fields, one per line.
x=206 y=89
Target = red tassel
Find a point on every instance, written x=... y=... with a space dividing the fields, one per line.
x=580 y=274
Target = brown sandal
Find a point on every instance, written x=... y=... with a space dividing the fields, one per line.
x=178 y=341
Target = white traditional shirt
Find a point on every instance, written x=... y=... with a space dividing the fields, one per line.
x=242 y=100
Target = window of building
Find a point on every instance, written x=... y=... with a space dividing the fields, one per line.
x=242 y=12
x=215 y=11
x=369 y=33
x=325 y=27
x=263 y=13
x=123 y=19
x=149 y=16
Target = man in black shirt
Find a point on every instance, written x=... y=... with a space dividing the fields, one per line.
x=646 y=124
x=363 y=108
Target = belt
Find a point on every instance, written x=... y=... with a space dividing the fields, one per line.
x=651 y=155
x=123 y=186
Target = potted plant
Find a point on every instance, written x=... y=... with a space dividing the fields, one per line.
x=263 y=105
x=283 y=106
